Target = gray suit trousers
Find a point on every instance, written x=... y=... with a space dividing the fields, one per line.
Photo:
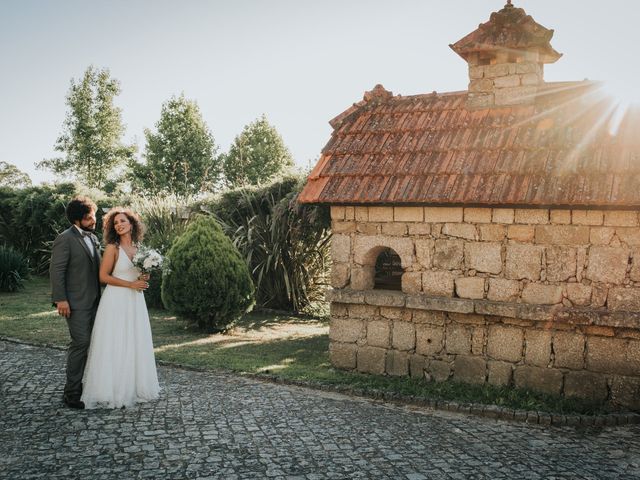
x=80 y=325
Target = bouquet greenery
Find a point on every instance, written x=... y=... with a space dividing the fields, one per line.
x=147 y=259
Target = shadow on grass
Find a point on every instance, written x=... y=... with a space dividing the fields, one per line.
x=29 y=315
x=265 y=319
x=289 y=357
x=167 y=328
x=36 y=291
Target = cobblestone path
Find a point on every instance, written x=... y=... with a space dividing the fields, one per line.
x=212 y=425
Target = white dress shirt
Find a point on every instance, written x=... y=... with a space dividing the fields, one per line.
x=87 y=239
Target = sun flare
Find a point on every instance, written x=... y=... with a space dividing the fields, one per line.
x=623 y=89
x=624 y=96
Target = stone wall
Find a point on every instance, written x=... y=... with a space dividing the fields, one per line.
x=537 y=298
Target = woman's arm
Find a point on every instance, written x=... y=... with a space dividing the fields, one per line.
x=106 y=269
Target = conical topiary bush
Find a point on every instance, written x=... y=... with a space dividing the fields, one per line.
x=206 y=279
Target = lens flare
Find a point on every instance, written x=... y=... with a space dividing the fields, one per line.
x=624 y=96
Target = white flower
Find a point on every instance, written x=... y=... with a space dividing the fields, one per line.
x=147 y=259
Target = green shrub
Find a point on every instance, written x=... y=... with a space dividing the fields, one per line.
x=206 y=279
x=285 y=244
x=165 y=218
x=153 y=294
x=31 y=218
x=14 y=269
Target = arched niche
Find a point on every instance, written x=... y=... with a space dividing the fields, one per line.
x=381 y=268
x=387 y=273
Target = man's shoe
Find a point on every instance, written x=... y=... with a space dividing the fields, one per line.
x=73 y=403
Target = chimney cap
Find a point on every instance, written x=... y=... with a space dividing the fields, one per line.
x=509 y=29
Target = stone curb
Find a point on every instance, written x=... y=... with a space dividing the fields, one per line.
x=481 y=410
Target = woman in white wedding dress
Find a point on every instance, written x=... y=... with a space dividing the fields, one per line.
x=121 y=368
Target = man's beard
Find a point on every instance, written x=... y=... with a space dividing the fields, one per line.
x=88 y=229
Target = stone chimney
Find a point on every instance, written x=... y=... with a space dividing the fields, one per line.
x=506 y=58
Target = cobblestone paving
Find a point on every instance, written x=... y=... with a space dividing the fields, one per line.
x=211 y=425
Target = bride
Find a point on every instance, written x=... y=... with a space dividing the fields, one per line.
x=121 y=368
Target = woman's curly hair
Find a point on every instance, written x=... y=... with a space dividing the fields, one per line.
x=109 y=234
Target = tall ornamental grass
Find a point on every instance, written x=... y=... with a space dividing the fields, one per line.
x=285 y=244
x=165 y=219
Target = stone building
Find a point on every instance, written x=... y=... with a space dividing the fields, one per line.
x=489 y=235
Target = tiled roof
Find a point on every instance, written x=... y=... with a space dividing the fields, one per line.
x=432 y=149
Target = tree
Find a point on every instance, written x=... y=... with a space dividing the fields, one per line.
x=92 y=131
x=181 y=156
x=256 y=156
x=11 y=176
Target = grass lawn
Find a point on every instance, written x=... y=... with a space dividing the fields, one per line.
x=280 y=345
x=288 y=346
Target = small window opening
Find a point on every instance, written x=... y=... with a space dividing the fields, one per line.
x=388 y=274
x=484 y=60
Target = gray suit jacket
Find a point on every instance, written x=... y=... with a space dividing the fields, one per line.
x=74 y=272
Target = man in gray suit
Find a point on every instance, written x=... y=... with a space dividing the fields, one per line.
x=75 y=288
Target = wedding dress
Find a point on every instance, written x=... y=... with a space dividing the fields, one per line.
x=121 y=368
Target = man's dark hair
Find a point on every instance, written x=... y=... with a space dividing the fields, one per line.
x=79 y=207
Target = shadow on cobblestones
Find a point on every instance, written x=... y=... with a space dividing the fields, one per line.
x=214 y=425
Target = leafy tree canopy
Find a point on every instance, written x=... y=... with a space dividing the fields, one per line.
x=11 y=176
x=91 y=138
x=181 y=156
x=257 y=156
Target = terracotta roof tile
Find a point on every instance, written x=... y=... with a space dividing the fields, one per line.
x=431 y=149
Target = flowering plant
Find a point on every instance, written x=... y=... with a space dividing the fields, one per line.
x=147 y=259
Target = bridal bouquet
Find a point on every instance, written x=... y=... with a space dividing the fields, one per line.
x=147 y=259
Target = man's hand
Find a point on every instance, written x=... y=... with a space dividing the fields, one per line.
x=63 y=308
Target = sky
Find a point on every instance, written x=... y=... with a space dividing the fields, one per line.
x=299 y=62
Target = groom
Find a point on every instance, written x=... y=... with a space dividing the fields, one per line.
x=75 y=288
